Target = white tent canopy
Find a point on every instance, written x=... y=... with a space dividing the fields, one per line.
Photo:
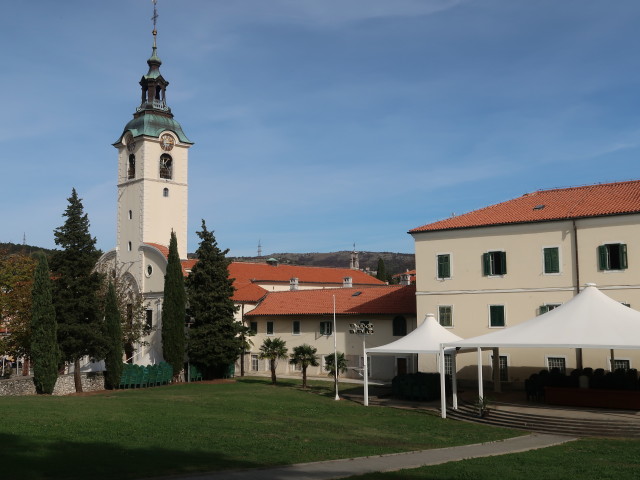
x=424 y=339
x=591 y=319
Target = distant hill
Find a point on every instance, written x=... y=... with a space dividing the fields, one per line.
x=393 y=262
x=26 y=249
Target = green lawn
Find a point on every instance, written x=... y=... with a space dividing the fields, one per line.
x=587 y=459
x=199 y=427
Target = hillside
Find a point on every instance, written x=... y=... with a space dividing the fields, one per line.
x=394 y=262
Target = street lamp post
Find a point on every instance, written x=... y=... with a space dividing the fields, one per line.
x=363 y=329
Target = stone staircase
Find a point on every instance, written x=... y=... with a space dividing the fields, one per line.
x=617 y=425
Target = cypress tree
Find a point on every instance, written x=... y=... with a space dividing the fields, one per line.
x=381 y=274
x=214 y=341
x=113 y=330
x=44 y=343
x=75 y=289
x=173 y=310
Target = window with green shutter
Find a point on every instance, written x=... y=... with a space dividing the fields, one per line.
x=326 y=328
x=547 y=307
x=295 y=327
x=496 y=316
x=444 y=266
x=494 y=263
x=269 y=328
x=551 y=260
x=612 y=256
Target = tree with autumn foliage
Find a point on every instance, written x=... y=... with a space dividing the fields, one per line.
x=16 y=280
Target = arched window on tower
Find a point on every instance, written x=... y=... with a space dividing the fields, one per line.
x=131 y=172
x=166 y=166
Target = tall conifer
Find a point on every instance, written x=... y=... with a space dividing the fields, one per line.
x=44 y=343
x=214 y=341
x=76 y=286
x=113 y=329
x=173 y=310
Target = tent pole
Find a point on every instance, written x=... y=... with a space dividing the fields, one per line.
x=454 y=380
x=480 y=386
x=612 y=360
x=497 y=387
x=443 y=393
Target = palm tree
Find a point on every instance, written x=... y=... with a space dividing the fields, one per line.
x=305 y=356
x=273 y=349
x=329 y=366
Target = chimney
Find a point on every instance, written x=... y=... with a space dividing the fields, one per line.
x=293 y=284
x=347 y=282
x=405 y=279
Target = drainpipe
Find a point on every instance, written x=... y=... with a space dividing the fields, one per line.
x=577 y=267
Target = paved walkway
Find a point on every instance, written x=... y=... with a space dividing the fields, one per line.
x=384 y=463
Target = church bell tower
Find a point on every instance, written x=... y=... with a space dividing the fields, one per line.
x=152 y=174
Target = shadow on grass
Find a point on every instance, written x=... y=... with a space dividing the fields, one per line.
x=30 y=459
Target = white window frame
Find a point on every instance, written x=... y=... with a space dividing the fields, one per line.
x=559 y=260
x=395 y=363
x=446 y=326
x=618 y=359
x=549 y=357
x=507 y=359
x=442 y=279
x=330 y=324
x=255 y=357
x=495 y=275
x=448 y=364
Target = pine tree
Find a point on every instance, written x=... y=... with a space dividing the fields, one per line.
x=381 y=274
x=44 y=344
x=113 y=329
x=173 y=310
x=214 y=341
x=76 y=286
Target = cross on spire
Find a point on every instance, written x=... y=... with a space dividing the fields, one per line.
x=154 y=18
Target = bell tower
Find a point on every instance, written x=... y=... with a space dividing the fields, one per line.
x=152 y=174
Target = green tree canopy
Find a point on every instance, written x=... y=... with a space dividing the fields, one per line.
x=330 y=365
x=44 y=343
x=273 y=349
x=214 y=342
x=113 y=327
x=75 y=289
x=381 y=273
x=305 y=356
x=173 y=310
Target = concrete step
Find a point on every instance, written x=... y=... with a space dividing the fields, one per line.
x=549 y=424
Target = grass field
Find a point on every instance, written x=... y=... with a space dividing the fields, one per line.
x=197 y=427
x=587 y=459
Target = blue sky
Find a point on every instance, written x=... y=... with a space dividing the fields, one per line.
x=319 y=123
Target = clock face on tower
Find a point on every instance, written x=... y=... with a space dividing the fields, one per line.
x=166 y=142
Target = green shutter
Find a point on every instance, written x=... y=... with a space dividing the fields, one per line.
x=544 y=309
x=503 y=263
x=444 y=269
x=551 y=260
x=496 y=313
x=623 y=255
x=486 y=264
x=322 y=324
x=602 y=257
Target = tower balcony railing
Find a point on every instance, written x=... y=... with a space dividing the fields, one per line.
x=154 y=104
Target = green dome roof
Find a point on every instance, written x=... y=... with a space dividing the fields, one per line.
x=153 y=125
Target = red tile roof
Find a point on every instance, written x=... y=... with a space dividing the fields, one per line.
x=262 y=272
x=164 y=250
x=547 y=205
x=248 y=292
x=388 y=299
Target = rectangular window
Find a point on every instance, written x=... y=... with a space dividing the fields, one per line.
x=296 y=367
x=619 y=364
x=399 y=326
x=612 y=256
x=255 y=363
x=444 y=266
x=295 y=327
x=253 y=326
x=557 y=362
x=494 y=263
x=504 y=368
x=445 y=315
x=547 y=307
x=448 y=364
x=326 y=328
x=269 y=328
x=496 y=316
x=149 y=318
x=551 y=260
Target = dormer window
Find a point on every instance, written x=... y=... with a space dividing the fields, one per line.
x=131 y=171
x=166 y=166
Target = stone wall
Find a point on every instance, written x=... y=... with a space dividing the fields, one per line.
x=91 y=382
